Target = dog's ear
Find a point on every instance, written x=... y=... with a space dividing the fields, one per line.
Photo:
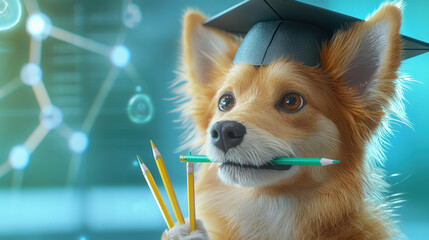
x=367 y=55
x=207 y=54
x=204 y=48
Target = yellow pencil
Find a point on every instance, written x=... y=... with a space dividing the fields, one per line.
x=156 y=194
x=167 y=183
x=191 y=194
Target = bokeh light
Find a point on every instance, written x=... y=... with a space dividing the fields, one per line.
x=78 y=142
x=10 y=13
x=120 y=56
x=140 y=109
x=131 y=16
x=19 y=157
x=31 y=74
x=51 y=117
x=39 y=25
x=3 y=7
x=83 y=238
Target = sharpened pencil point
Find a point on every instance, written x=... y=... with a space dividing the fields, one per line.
x=327 y=161
x=145 y=169
x=155 y=150
x=140 y=160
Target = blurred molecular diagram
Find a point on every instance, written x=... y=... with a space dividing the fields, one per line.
x=40 y=27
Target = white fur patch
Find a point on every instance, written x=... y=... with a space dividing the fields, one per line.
x=181 y=232
x=255 y=216
x=270 y=218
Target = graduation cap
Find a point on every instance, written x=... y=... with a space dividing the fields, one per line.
x=276 y=28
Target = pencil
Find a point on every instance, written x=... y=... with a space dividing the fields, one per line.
x=156 y=194
x=167 y=183
x=277 y=161
x=191 y=194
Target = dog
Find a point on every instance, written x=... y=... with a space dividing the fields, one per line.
x=244 y=116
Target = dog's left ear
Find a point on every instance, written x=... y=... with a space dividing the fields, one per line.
x=367 y=55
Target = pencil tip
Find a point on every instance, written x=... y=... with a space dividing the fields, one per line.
x=327 y=161
x=154 y=150
x=140 y=160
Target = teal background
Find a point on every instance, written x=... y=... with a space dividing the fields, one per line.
x=110 y=199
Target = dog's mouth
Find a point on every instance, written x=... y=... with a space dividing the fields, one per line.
x=248 y=166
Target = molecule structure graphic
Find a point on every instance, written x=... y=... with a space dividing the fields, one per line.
x=39 y=27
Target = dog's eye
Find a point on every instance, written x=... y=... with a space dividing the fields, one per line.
x=226 y=102
x=292 y=102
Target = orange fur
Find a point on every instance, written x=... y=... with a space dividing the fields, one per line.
x=343 y=201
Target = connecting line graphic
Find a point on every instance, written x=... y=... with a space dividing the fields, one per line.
x=89 y=121
x=31 y=6
x=79 y=41
x=135 y=76
x=10 y=87
x=108 y=82
x=36 y=138
x=35 y=50
x=39 y=27
x=41 y=94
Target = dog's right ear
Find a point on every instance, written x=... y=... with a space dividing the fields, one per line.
x=207 y=54
x=204 y=48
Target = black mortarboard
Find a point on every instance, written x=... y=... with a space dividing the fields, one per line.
x=277 y=28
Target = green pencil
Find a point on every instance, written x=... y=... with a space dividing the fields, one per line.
x=277 y=161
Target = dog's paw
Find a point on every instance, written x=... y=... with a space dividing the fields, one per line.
x=181 y=232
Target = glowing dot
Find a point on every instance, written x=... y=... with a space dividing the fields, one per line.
x=39 y=25
x=131 y=16
x=120 y=56
x=51 y=117
x=138 y=88
x=10 y=14
x=82 y=238
x=78 y=142
x=19 y=157
x=31 y=74
x=135 y=163
x=140 y=109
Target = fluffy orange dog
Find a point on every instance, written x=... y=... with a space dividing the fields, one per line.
x=245 y=116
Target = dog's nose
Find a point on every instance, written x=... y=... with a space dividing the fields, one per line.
x=227 y=134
